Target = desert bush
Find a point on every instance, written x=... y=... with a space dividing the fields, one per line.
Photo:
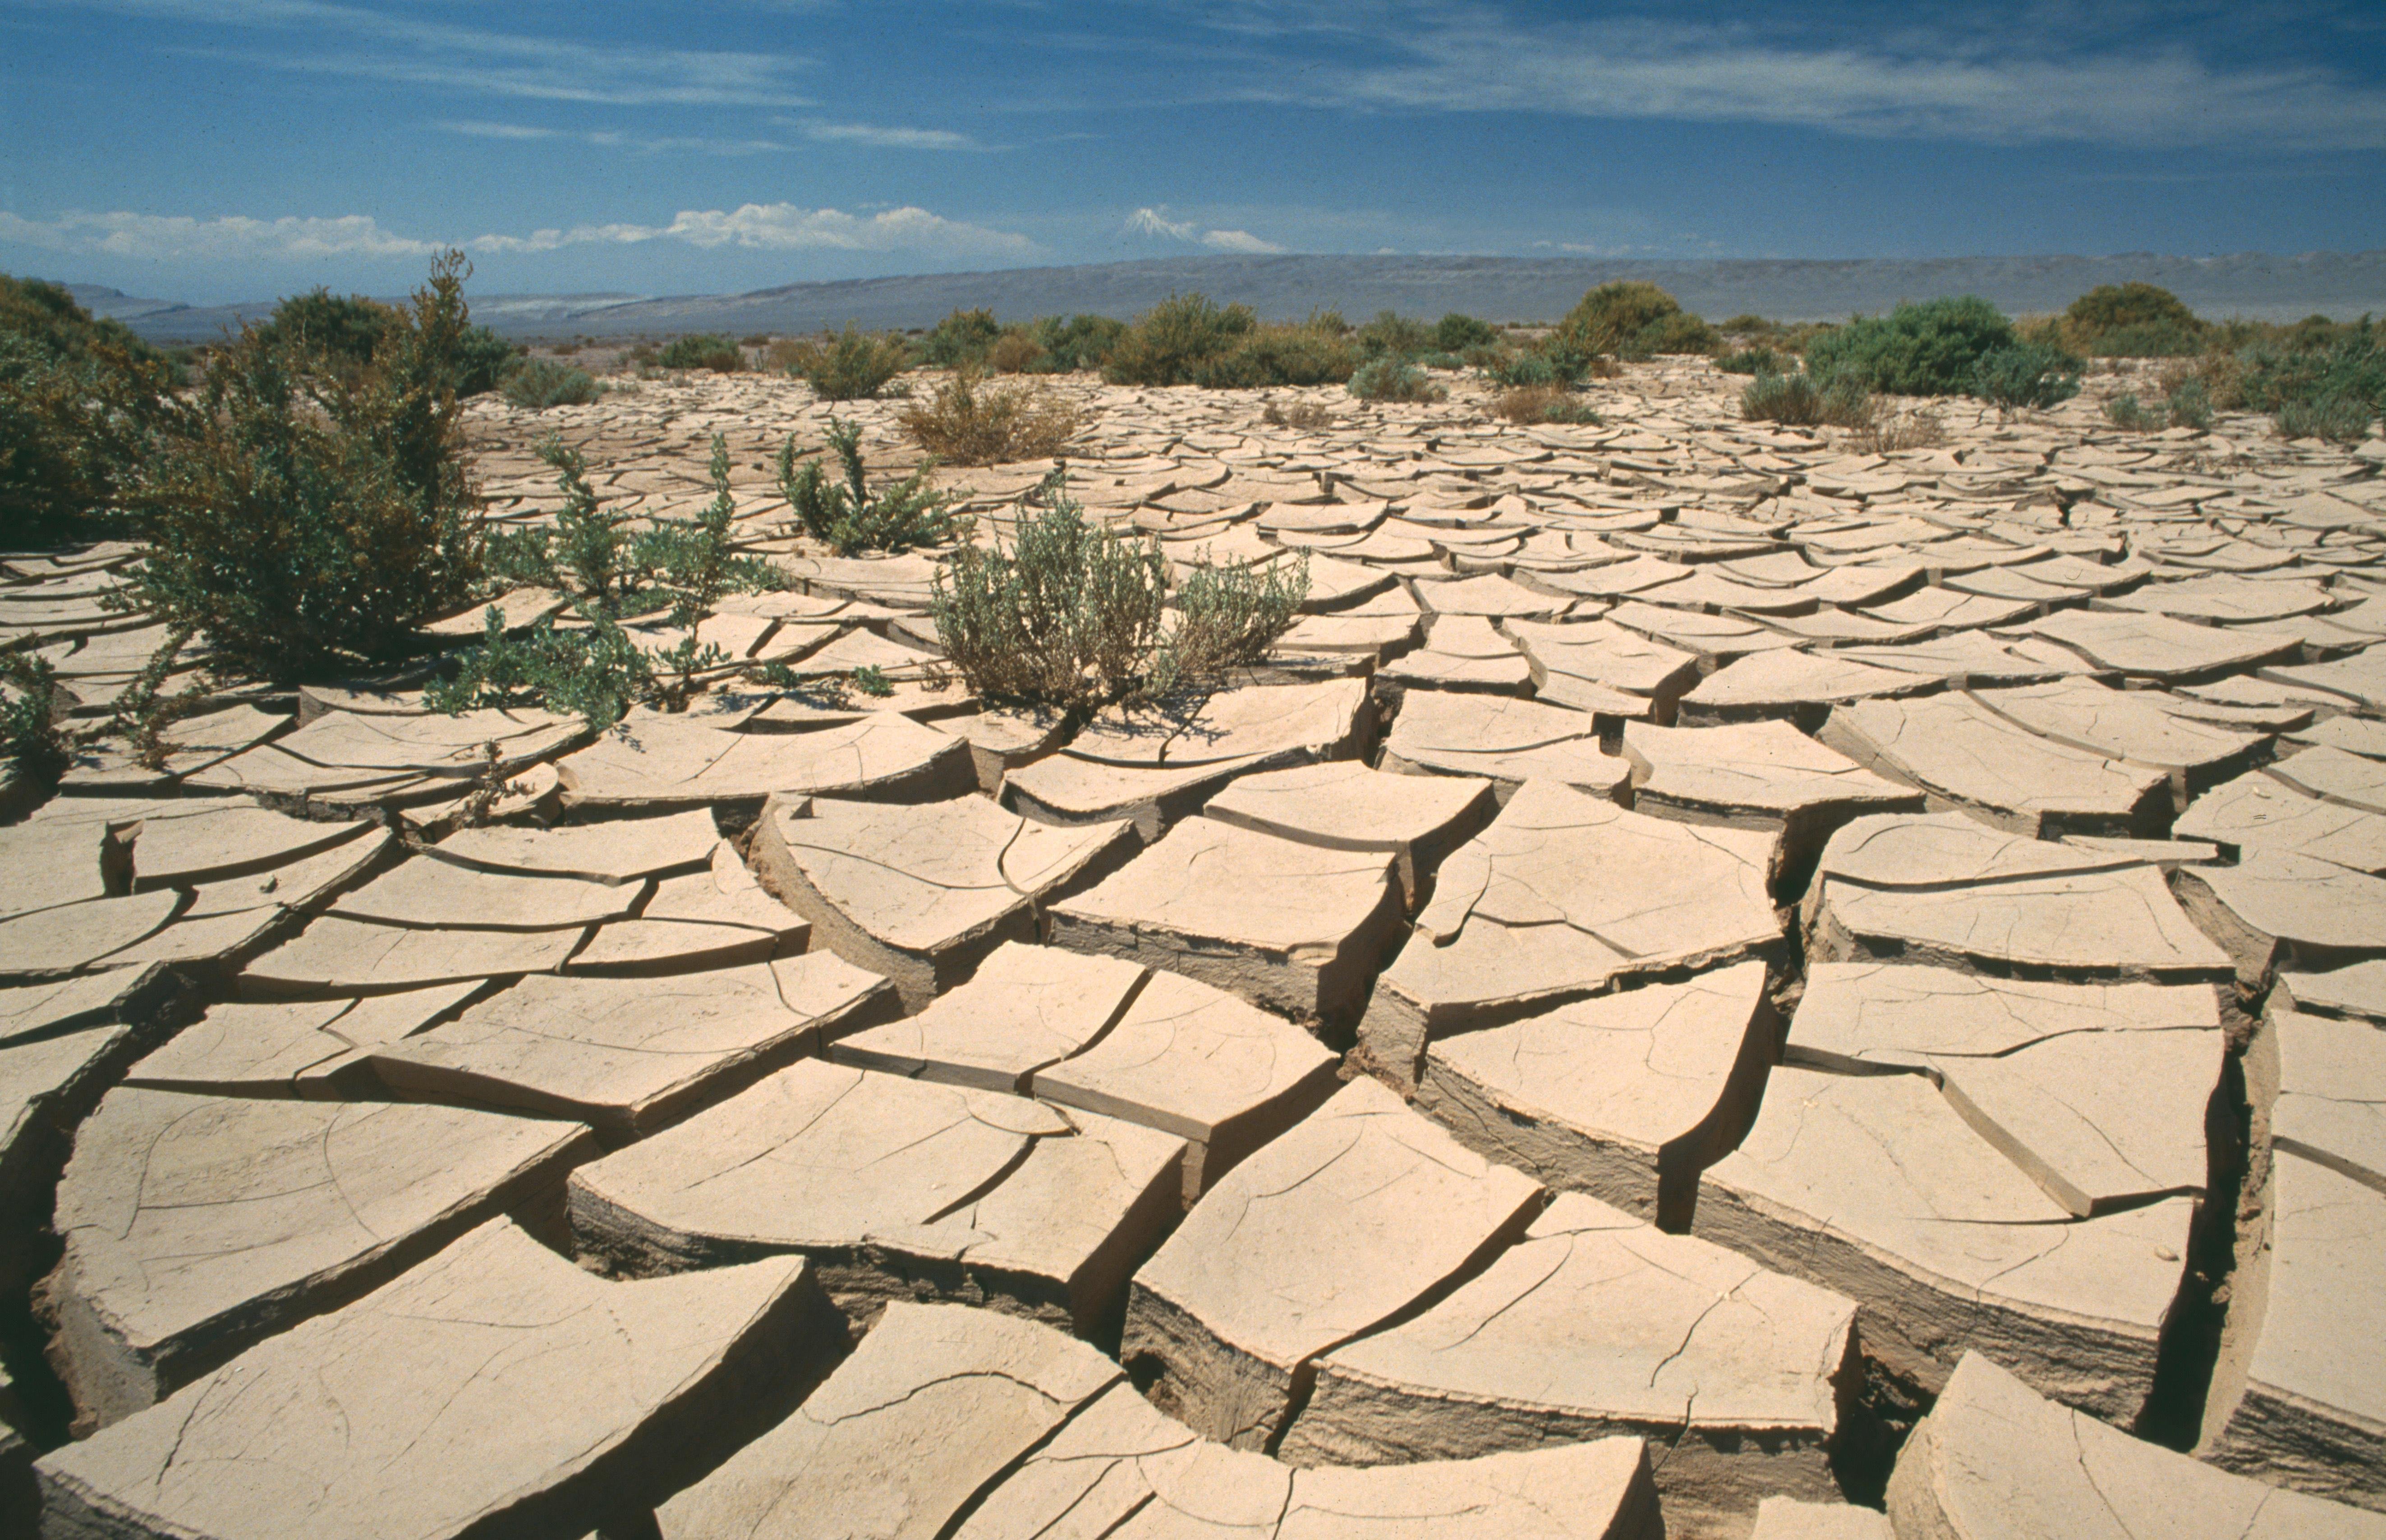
x=1177 y=340
x=1889 y=432
x=962 y=337
x=1071 y=614
x=2132 y=321
x=2150 y=340
x=543 y=383
x=1807 y=400
x=1633 y=320
x=1545 y=404
x=1304 y=353
x=325 y=325
x=1752 y=360
x=2185 y=403
x=2026 y=374
x=1392 y=378
x=968 y=423
x=2338 y=418
x=31 y=740
x=1079 y=341
x=1455 y=334
x=1391 y=333
x=850 y=365
x=306 y=521
x=321 y=329
x=79 y=398
x=849 y=517
x=2131 y=415
x=1546 y=363
x=1931 y=348
x=1015 y=352
x=1296 y=414
x=593 y=667
x=2347 y=366
x=702 y=350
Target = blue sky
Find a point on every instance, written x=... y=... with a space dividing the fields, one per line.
x=225 y=149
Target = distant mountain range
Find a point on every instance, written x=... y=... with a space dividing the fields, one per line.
x=1499 y=288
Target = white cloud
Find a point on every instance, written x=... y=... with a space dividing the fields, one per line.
x=1156 y=224
x=1471 y=59
x=613 y=139
x=154 y=237
x=879 y=138
x=765 y=227
x=326 y=38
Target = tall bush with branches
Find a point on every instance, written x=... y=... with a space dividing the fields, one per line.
x=305 y=518
x=78 y=400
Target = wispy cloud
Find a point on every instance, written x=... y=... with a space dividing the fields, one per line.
x=1984 y=87
x=1155 y=223
x=614 y=139
x=753 y=226
x=325 y=38
x=879 y=138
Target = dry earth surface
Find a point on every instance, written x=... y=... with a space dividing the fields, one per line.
x=1714 y=983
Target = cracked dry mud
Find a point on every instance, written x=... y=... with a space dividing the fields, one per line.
x=1711 y=985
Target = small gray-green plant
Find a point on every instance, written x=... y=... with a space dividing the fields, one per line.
x=1801 y=400
x=851 y=365
x=703 y=350
x=30 y=739
x=2188 y=404
x=849 y=517
x=1072 y=614
x=2026 y=374
x=1752 y=360
x=593 y=667
x=2338 y=418
x=1392 y=378
x=539 y=383
x=1532 y=404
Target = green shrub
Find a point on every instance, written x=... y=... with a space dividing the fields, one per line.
x=1177 y=340
x=2126 y=307
x=1753 y=360
x=2151 y=339
x=1605 y=319
x=1678 y=333
x=2347 y=366
x=543 y=383
x=2190 y=405
x=1394 y=334
x=2026 y=374
x=594 y=669
x=1392 y=378
x=1071 y=614
x=1805 y=400
x=963 y=337
x=2338 y=418
x=1545 y=404
x=1932 y=348
x=1301 y=355
x=483 y=361
x=1080 y=342
x=1456 y=333
x=2127 y=413
x=320 y=329
x=1015 y=352
x=702 y=350
x=346 y=328
x=79 y=398
x=851 y=365
x=306 y=522
x=1546 y=363
x=30 y=741
x=967 y=424
x=847 y=517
